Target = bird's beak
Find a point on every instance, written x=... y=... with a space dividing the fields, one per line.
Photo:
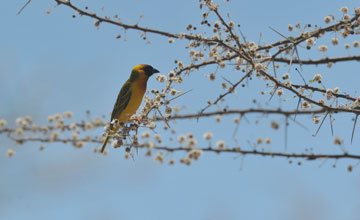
x=155 y=71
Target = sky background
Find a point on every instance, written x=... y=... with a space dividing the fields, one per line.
x=55 y=63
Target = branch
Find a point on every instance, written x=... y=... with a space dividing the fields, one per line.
x=135 y=27
x=338 y=26
x=236 y=150
x=231 y=90
x=319 y=61
x=83 y=125
x=248 y=111
x=314 y=89
x=298 y=94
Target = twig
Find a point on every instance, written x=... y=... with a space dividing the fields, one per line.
x=353 y=130
x=23 y=7
x=226 y=93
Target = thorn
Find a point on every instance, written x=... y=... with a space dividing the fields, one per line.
x=301 y=76
x=298 y=123
x=273 y=93
x=297 y=107
x=179 y=95
x=167 y=124
x=353 y=131
x=298 y=57
x=23 y=7
x=317 y=131
x=237 y=126
x=331 y=126
x=273 y=63
x=286 y=131
x=228 y=81
x=279 y=33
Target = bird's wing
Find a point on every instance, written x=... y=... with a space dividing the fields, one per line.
x=122 y=100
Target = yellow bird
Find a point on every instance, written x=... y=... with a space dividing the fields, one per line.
x=130 y=96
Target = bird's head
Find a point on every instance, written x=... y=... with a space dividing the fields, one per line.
x=145 y=70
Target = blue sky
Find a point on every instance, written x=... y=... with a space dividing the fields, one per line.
x=55 y=63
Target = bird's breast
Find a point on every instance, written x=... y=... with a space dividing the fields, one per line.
x=137 y=93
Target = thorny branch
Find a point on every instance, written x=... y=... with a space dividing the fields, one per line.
x=236 y=150
x=326 y=60
x=100 y=123
x=225 y=47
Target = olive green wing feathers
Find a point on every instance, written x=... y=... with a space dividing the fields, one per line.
x=122 y=100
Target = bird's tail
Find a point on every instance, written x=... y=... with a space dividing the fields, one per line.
x=104 y=145
x=108 y=136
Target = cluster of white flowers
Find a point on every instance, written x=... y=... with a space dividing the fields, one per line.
x=68 y=114
x=218 y=118
x=356 y=44
x=357 y=102
x=145 y=134
x=310 y=42
x=338 y=141
x=259 y=66
x=236 y=120
x=10 y=152
x=231 y=24
x=322 y=48
x=161 y=78
x=194 y=154
x=329 y=94
x=328 y=19
x=274 y=125
x=318 y=77
x=316 y=119
x=181 y=138
x=192 y=142
x=357 y=11
x=186 y=161
x=3 y=123
x=286 y=76
x=21 y=122
x=159 y=157
x=346 y=17
x=305 y=105
x=221 y=145
x=290 y=27
x=222 y=64
x=171 y=40
x=208 y=136
x=335 y=41
x=97 y=23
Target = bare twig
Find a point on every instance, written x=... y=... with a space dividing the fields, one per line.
x=23 y=7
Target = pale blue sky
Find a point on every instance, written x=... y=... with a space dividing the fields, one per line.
x=54 y=63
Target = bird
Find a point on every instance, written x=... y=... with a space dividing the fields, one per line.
x=130 y=97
